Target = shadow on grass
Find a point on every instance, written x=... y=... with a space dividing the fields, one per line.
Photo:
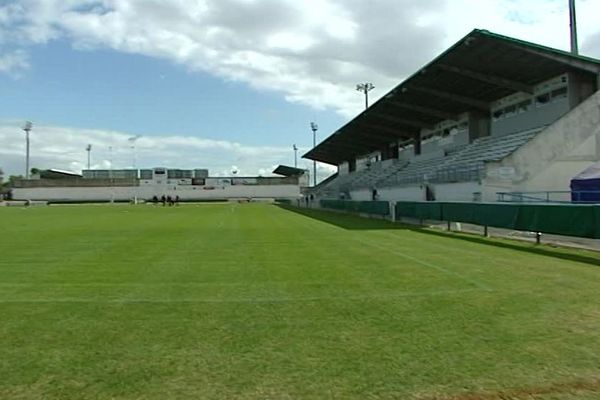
x=343 y=220
x=353 y=222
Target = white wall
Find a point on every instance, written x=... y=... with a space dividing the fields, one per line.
x=553 y=157
x=407 y=193
x=462 y=191
x=147 y=192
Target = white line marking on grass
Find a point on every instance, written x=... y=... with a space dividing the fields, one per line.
x=251 y=300
x=360 y=239
x=480 y=285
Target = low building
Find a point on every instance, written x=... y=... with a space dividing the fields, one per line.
x=146 y=184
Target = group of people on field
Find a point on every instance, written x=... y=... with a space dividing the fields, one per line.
x=166 y=200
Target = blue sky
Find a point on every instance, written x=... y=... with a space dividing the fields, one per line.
x=106 y=89
x=225 y=84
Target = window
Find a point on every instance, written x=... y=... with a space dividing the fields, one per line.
x=497 y=114
x=523 y=106
x=558 y=94
x=542 y=99
x=510 y=111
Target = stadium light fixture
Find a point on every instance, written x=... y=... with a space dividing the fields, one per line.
x=314 y=128
x=295 y=155
x=27 y=128
x=88 y=148
x=365 y=88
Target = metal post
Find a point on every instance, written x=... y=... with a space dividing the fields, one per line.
x=573 y=24
x=27 y=128
x=295 y=156
x=365 y=88
x=89 y=158
x=485 y=231
x=110 y=175
x=314 y=127
x=538 y=237
x=27 y=155
x=314 y=161
x=449 y=225
x=132 y=140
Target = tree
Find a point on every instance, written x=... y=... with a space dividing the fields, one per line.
x=13 y=178
x=1 y=176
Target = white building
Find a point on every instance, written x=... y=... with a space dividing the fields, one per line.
x=187 y=185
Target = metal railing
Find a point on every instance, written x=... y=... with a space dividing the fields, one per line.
x=551 y=196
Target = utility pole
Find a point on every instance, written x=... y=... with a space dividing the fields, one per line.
x=295 y=156
x=27 y=128
x=88 y=148
x=365 y=88
x=314 y=127
x=573 y=18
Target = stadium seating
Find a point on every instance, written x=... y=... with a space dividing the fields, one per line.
x=461 y=164
x=362 y=179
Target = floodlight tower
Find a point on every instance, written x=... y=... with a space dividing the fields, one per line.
x=295 y=155
x=110 y=174
x=132 y=140
x=573 y=19
x=365 y=88
x=110 y=162
x=88 y=148
x=27 y=128
x=314 y=128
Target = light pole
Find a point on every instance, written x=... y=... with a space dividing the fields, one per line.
x=88 y=148
x=110 y=174
x=295 y=156
x=132 y=140
x=573 y=18
x=365 y=88
x=110 y=161
x=314 y=127
x=27 y=128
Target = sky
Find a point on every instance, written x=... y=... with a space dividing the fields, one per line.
x=228 y=85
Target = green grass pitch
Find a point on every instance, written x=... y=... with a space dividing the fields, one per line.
x=257 y=301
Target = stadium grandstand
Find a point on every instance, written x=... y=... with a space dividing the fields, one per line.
x=490 y=115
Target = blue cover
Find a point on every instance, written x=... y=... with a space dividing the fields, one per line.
x=585 y=186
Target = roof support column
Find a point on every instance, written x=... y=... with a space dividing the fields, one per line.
x=417 y=141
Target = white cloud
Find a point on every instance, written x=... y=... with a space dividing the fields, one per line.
x=64 y=148
x=14 y=63
x=311 y=51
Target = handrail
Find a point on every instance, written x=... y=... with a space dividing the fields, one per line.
x=550 y=196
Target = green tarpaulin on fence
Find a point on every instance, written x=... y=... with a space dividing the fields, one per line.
x=419 y=210
x=561 y=219
x=381 y=208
